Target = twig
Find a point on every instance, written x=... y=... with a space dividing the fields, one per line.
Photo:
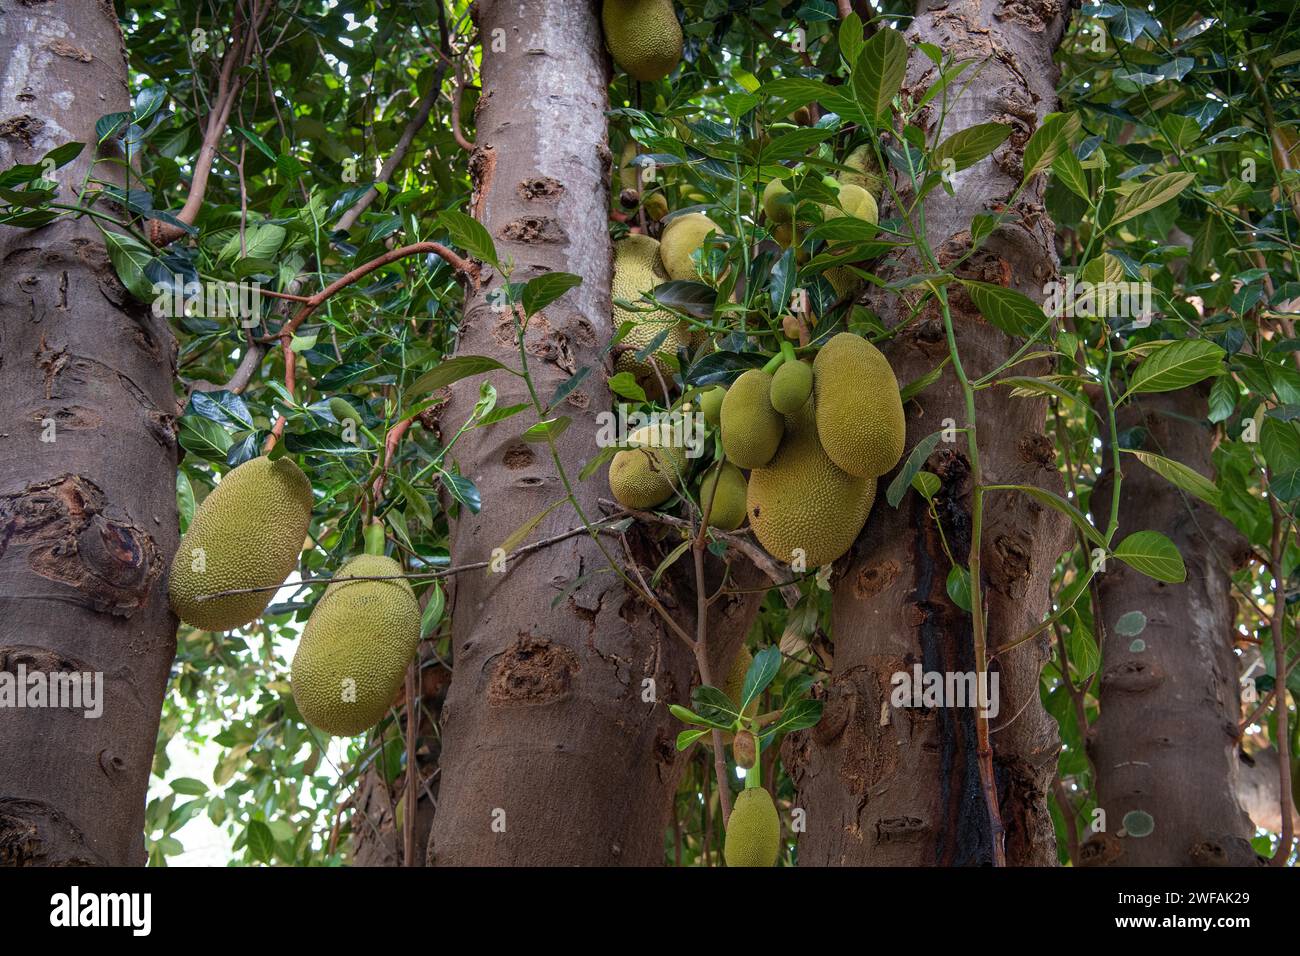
x=457 y=90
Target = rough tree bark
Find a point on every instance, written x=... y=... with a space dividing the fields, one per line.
x=545 y=728
x=1170 y=701
x=900 y=786
x=87 y=474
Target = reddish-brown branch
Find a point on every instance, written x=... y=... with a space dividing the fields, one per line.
x=391 y=441
x=230 y=83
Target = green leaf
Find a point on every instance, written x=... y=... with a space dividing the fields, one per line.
x=688 y=737
x=1188 y=479
x=669 y=560
x=762 y=669
x=204 y=438
x=796 y=716
x=926 y=484
x=1006 y=309
x=261 y=241
x=1176 y=366
x=879 y=73
x=551 y=428
x=1152 y=193
x=850 y=38
x=1049 y=140
x=470 y=234
x=130 y=258
x=624 y=385
x=903 y=480
x=1154 y=555
x=433 y=608
x=1069 y=172
x=920 y=384
x=1279 y=443
x=958 y=587
x=189 y=786
x=321 y=442
x=684 y=715
x=968 y=146
x=454 y=369
x=260 y=842
x=1055 y=501
x=542 y=290
x=184 y=499
x=520 y=534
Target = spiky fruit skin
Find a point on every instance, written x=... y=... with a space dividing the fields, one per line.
x=250 y=532
x=802 y=500
x=637 y=270
x=859 y=410
x=643 y=36
x=751 y=427
x=355 y=648
x=791 y=385
x=643 y=478
x=866 y=172
x=681 y=238
x=777 y=202
x=727 y=511
x=711 y=405
x=753 y=830
x=842 y=280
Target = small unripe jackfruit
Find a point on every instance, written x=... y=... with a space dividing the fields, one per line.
x=637 y=270
x=791 y=386
x=744 y=749
x=645 y=477
x=859 y=410
x=247 y=534
x=803 y=501
x=629 y=176
x=753 y=831
x=751 y=427
x=643 y=36
x=356 y=647
x=727 y=511
x=855 y=201
x=866 y=171
x=711 y=404
x=656 y=206
x=683 y=236
x=342 y=411
x=777 y=202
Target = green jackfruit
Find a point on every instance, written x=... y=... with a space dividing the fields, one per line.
x=683 y=236
x=855 y=201
x=859 y=410
x=753 y=831
x=637 y=270
x=645 y=477
x=842 y=280
x=342 y=411
x=711 y=404
x=777 y=202
x=643 y=36
x=356 y=647
x=866 y=171
x=629 y=176
x=656 y=206
x=247 y=534
x=744 y=749
x=727 y=512
x=791 y=386
x=802 y=500
x=751 y=428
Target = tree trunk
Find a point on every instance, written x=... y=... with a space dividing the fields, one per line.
x=87 y=478
x=556 y=750
x=890 y=786
x=1170 y=701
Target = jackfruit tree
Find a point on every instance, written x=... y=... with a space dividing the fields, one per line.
x=651 y=432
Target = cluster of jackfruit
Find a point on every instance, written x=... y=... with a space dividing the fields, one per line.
x=815 y=438
x=356 y=647
x=643 y=36
x=638 y=269
x=246 y=534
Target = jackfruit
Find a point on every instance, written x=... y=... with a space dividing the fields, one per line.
x=751 y=428
x=656 y=206
x=629 y=176
x=802 y=500
x=727 y=512
x=342 y=411
x=866 y=171
x=744 y=749
x=637 y=269
x=855 y=201
x=791 y=386
x=683 y=236
x=356 y=647
x=859 y=410
x=753 y=830
x=734 y=686
x=643 y=36
x=778 y=203
x=645 y=477
x=843 y=280
x=247 y=533
x=711 y=404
